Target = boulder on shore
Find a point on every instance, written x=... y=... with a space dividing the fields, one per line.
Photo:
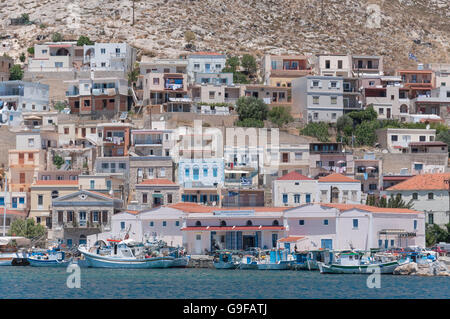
x=406 y=269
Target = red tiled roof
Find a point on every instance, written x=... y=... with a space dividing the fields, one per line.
x=102 y=194
x=423 y=182
x=14 y=212
x=133 y=212
x=229 y=228
x=56 y=182
x=338 y=178
x=372 y=209
x=396 y=178
x=197 y=208
x=290 y=239
x=157 y=181
x=294 y=176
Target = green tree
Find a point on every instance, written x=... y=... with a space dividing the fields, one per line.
x=22 y=57
x=369 y=114
x=57 y=37
x=26 y=18
x=239 y=77
x=248 y=62
x=30 y=50
x=393 y=202
x=232 y=63
x=133 y=75
x=58 y=161
x=280 y=115
x=318 y=130
x=84 y=40
x=15 y=73
x=444 y=136
x=59 y=106
x=435 y=234
x=250 y=123
x=344 y=124
x=365 y=133
x=26 y=228
x=249 y=107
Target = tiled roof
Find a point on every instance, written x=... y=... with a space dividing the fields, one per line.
x=14 y=212
x=423 y=182
x=338 y=178
x=294 y=176
x=197 y=208
x=157 y=181
x=56 y=182
x=372 y=209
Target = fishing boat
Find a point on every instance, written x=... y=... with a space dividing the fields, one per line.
x=300 y=261
x=278 y=260
x=180 y=259
x=316 y=256
x=52 y=258
x=248 y=262
x=10 y=254
x=353 y=263
x=123 y=254
x=225 y=260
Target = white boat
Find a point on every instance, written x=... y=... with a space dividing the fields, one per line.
x=9 y=252
x=180 y=262
x=123 y=254
x=49 y=259
x=316 y=256
x=351 y=263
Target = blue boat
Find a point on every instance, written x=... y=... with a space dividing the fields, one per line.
x=248 y=262
x=225 y=261
x=278 y=260
x=52 y=258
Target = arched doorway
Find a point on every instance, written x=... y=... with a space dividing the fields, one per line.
x=82 y=240
x=335 y=195
x=62 y=52
x=404 y=108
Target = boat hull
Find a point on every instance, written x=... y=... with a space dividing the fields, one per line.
x=181 y=262
x=48 y=263
x=248 y=266
x=6 y=261
x=280 y=266
x=222 y=265
x=385 y=268
x=96 y=261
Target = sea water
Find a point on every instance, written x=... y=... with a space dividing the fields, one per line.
x=33 y=282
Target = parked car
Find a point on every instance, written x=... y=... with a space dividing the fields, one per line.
x=443 y=249
x=252 y=251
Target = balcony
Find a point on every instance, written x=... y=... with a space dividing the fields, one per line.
x=113 y=139
x=104 y=91
x=147 y=142
x=73 y=92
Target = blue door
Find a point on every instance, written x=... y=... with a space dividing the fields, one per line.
x=14 y=202
x=386 y=242
x=69 y=242
x=308 y=198
x=287 y=246
x=327 y=243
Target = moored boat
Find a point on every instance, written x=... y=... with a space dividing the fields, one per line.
x=10 y=254
x=225 y=261
x=351 y=263
x=278 y=260
x=123 y=254
x=248 y=262
x=316 y=256
x=49 y=259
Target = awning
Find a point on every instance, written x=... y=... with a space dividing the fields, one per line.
x=158 y=195
x=233 y=228
x=291 y=239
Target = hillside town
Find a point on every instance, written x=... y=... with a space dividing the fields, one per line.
x=210 y=152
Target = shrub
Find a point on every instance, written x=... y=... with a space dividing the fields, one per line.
x=250 y=123
x=15 y=73
x=249 y=107
x=318 y=130
x=57 y=37
x=280 y=115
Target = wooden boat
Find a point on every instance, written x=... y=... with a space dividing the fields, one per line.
x=9 y=252
x=278 y=260
x=351 y=263
x=316 y=256
x=50 y=259
x=123 y=254
x=300 y=261
x=225 y=261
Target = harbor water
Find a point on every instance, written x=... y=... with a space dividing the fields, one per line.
x=33 y=282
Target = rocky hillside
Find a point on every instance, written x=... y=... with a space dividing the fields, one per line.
x=239 y=26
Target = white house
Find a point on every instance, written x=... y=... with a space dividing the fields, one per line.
x=338 y=188
x=429 y=193
x=294 y=189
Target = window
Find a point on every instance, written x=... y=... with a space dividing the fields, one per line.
x=169 y=198
x=325 y=221
x=301 y=222
x=355 y=223
x=333 y=116
x=108 y=185
x=212 y=94
x=40 y=200
x=339 y=64
x=164 y=223
x=327 y=64
x=415 y=196
x=297 y=198
x=249 y=223
x=198 y=223
x=31 y=142
x=415 y=224
x=198 y=237
x=394 y=138
x=381 y=110
x=430 y=195
x=162 y=172
x=58 y=64
x=333 y=84
x=275 y=223
x=285 y=198
x=315 y=100
x=418 y=167
x=298 y=155
x=205 y=172
x=392 y=242
x=103 y=51
x=151 y=224
x=315 y=83
x=316 y=115
x=177 y=223
x=122 y=225
x=95 y=216
x=195 y=172
x=66 y=130
x=215 y=171
x=92 y=184
x=308 y=198
x=422 y=138
x=186 y=172
x=122 y=166
x=196 y=66
x=144 y=198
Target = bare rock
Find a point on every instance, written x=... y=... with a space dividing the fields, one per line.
x=406 y=269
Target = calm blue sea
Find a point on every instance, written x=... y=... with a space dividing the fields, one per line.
x=31 y=282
